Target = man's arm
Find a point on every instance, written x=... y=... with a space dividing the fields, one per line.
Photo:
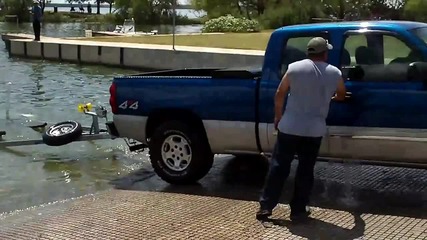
x=279 y=100
x=341 y=91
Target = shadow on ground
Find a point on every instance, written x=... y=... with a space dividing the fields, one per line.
x=352 y=188
x=322 y=230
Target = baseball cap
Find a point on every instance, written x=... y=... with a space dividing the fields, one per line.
x=318 y=45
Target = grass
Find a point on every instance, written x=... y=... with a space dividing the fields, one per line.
x=393 y=47
x=253 y=41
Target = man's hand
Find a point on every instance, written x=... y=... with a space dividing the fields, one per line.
x=340 y=92
x=279 y=100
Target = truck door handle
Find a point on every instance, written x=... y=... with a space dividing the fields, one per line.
x=348 y=96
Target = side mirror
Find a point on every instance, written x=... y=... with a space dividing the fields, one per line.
x=355 y=72
x=417 y=71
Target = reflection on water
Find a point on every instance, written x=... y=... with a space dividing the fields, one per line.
x=48 y=91
x=37 y=76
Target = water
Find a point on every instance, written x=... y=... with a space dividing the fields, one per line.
x=49 y=91
x=78 y=29
x=183 y=12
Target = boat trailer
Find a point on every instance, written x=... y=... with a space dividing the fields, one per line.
x=65 y=132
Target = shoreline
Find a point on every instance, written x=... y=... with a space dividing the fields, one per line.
x=129 y=55
x=105 y=18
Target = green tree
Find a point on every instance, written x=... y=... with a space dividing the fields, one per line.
x=346 y=9
x=287 y=12
x=274 y=13
x=217 y=8
x=144 y=11
x=416 y=10
x=387 y=9
x=254 y=8
x=22 y=9
x=246 y=8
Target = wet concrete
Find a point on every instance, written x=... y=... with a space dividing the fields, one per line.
x=349 y=202
x=346 y=187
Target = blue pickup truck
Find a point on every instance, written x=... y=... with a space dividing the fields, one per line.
x=186 y=116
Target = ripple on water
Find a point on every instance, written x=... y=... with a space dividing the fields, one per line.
x=46 y=91
x=50 y=91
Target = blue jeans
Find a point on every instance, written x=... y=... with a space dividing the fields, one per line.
x=307 y=149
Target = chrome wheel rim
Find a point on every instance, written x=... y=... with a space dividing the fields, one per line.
x=62 y=129
x=176 y=153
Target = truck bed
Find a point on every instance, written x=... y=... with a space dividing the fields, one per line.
x=218 y=73
x=212 y=94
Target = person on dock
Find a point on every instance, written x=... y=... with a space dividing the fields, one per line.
x=312 y=84
x=37 y=18
x=89 y=8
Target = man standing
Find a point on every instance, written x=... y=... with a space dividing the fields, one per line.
x=37 y=18
x=312 y=83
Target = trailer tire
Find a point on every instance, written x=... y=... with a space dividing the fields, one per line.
x=62 y=133
x=179 y=154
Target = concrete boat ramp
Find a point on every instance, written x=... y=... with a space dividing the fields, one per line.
x=128 y=55
x=384 y=203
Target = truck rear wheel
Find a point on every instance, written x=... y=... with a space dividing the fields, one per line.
x=180 y=154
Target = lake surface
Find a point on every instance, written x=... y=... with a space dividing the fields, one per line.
x=105 y=10
x=78 y=29
x=49 y=91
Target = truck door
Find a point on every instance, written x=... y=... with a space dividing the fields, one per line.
x=293 y=48
x=383 y=100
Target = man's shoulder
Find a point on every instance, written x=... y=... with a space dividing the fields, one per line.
x=299 y=64
x=333 y=69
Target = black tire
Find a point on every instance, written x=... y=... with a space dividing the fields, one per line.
x=62 y=133
x=201 y=156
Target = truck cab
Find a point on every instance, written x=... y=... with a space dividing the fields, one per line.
x=186 y=116
x=385 y=113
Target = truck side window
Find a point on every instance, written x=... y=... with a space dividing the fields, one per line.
x=383 y=58
x=294 y=50
x=353 y=42
x=396 y=51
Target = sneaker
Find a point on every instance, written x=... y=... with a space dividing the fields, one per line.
x=263 y=214
x=300 y=215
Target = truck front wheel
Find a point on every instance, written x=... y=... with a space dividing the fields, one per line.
x=180 y=154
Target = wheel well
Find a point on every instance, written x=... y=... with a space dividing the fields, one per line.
x=157 y=117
